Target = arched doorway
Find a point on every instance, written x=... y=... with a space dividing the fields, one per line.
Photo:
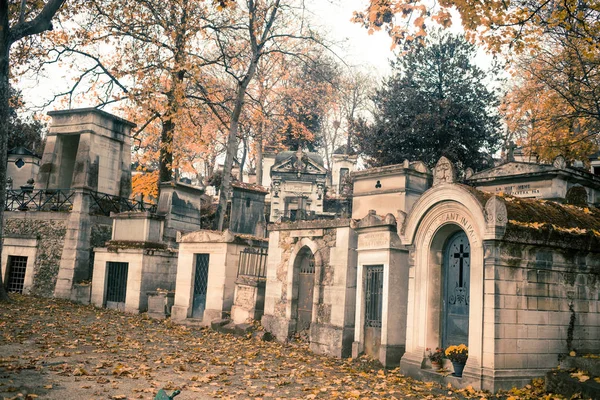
x=305 y=265
x=455 y=290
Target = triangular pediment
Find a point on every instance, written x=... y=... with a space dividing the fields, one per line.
x=306 y=165
x=512 y=169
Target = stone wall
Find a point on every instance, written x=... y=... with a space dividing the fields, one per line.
x=333 y=244
x=543 y=302
x=50 y=229
x=100 y=235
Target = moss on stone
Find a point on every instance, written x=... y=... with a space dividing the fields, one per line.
x=114 y=245
x=51 y=236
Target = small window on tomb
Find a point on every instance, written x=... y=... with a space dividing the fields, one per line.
x=343 y=176
x=247 y=201
x=19 y=163
x=116 y=287
x=378 y=185
x=17 y=265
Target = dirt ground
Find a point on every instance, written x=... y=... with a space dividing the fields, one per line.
x=54 y=349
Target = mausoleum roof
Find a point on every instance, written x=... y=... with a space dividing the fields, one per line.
x=524 y=170
x=535 y=213
x=249 y=187
x=284 y=155
x=22 y=151
x=345 y=149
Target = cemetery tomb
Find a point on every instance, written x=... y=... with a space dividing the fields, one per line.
x=200 y=285
x=310 y=284
x=207 y=269
x=297 y=185
x=18 y=262
x=529 y=277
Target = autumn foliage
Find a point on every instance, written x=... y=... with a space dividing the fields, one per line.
x=553 y=52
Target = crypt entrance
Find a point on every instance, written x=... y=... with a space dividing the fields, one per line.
x=445 y=235
x=304 y=270
x=455 y=290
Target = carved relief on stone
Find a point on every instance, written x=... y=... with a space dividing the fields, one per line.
x=559 y=162
x=320 y=188
x=444 y=172
x=275 y=188
x=495 y=212
x=420 y=166
x=469 y=173
x=400 y=219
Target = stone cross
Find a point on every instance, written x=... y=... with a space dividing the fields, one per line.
x=511 y=151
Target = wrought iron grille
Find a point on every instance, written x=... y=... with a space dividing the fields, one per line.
x=116 y=287
x=309 y=266
x=104 y=204
x=299 y=215
x=62 y=200
x=201 y=275
x=253 y=262
x=39 y=200
x=374 y=295
x=16 y=278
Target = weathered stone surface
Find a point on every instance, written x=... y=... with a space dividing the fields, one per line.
x=216 y=324
x=561 y=382
x=263 y=336
x=51 y=232
x=243 y=329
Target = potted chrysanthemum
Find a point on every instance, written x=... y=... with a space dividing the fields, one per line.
x=436 y=357
x=458 y=356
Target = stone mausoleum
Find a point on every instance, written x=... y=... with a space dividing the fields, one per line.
x=429 y=262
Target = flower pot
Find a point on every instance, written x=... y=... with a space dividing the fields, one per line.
x=458 y=368
x=436 y=365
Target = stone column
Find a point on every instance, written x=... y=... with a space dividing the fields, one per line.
x=379 y=244
x=75 y=260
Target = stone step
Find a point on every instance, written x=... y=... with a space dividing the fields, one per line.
x=565 y=380
x=589 y=364
x=197 y=322
x=561 y=382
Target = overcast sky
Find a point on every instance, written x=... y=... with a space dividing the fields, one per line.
x=357 y=48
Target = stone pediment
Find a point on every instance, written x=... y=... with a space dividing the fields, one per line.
x=208 y=236
x=305 y=165
x=372 y=220
x=513 y=168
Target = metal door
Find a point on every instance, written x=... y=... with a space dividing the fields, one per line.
x=306 y=283
x=17 y=266
x=200 y=285
x=457 y=263
x=373 y=308
x=116 y=286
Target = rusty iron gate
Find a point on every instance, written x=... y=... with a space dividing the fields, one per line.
x=200 y=285
x=17 y=266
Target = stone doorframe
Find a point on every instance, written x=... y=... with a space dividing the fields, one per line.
x=291 y=311
x=439 y=214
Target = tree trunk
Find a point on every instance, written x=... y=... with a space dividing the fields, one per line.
x=166 y=151
x=4 y=116
x=232 y=145
x=259 y=155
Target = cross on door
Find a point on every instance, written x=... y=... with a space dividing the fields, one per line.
x=461 y=255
